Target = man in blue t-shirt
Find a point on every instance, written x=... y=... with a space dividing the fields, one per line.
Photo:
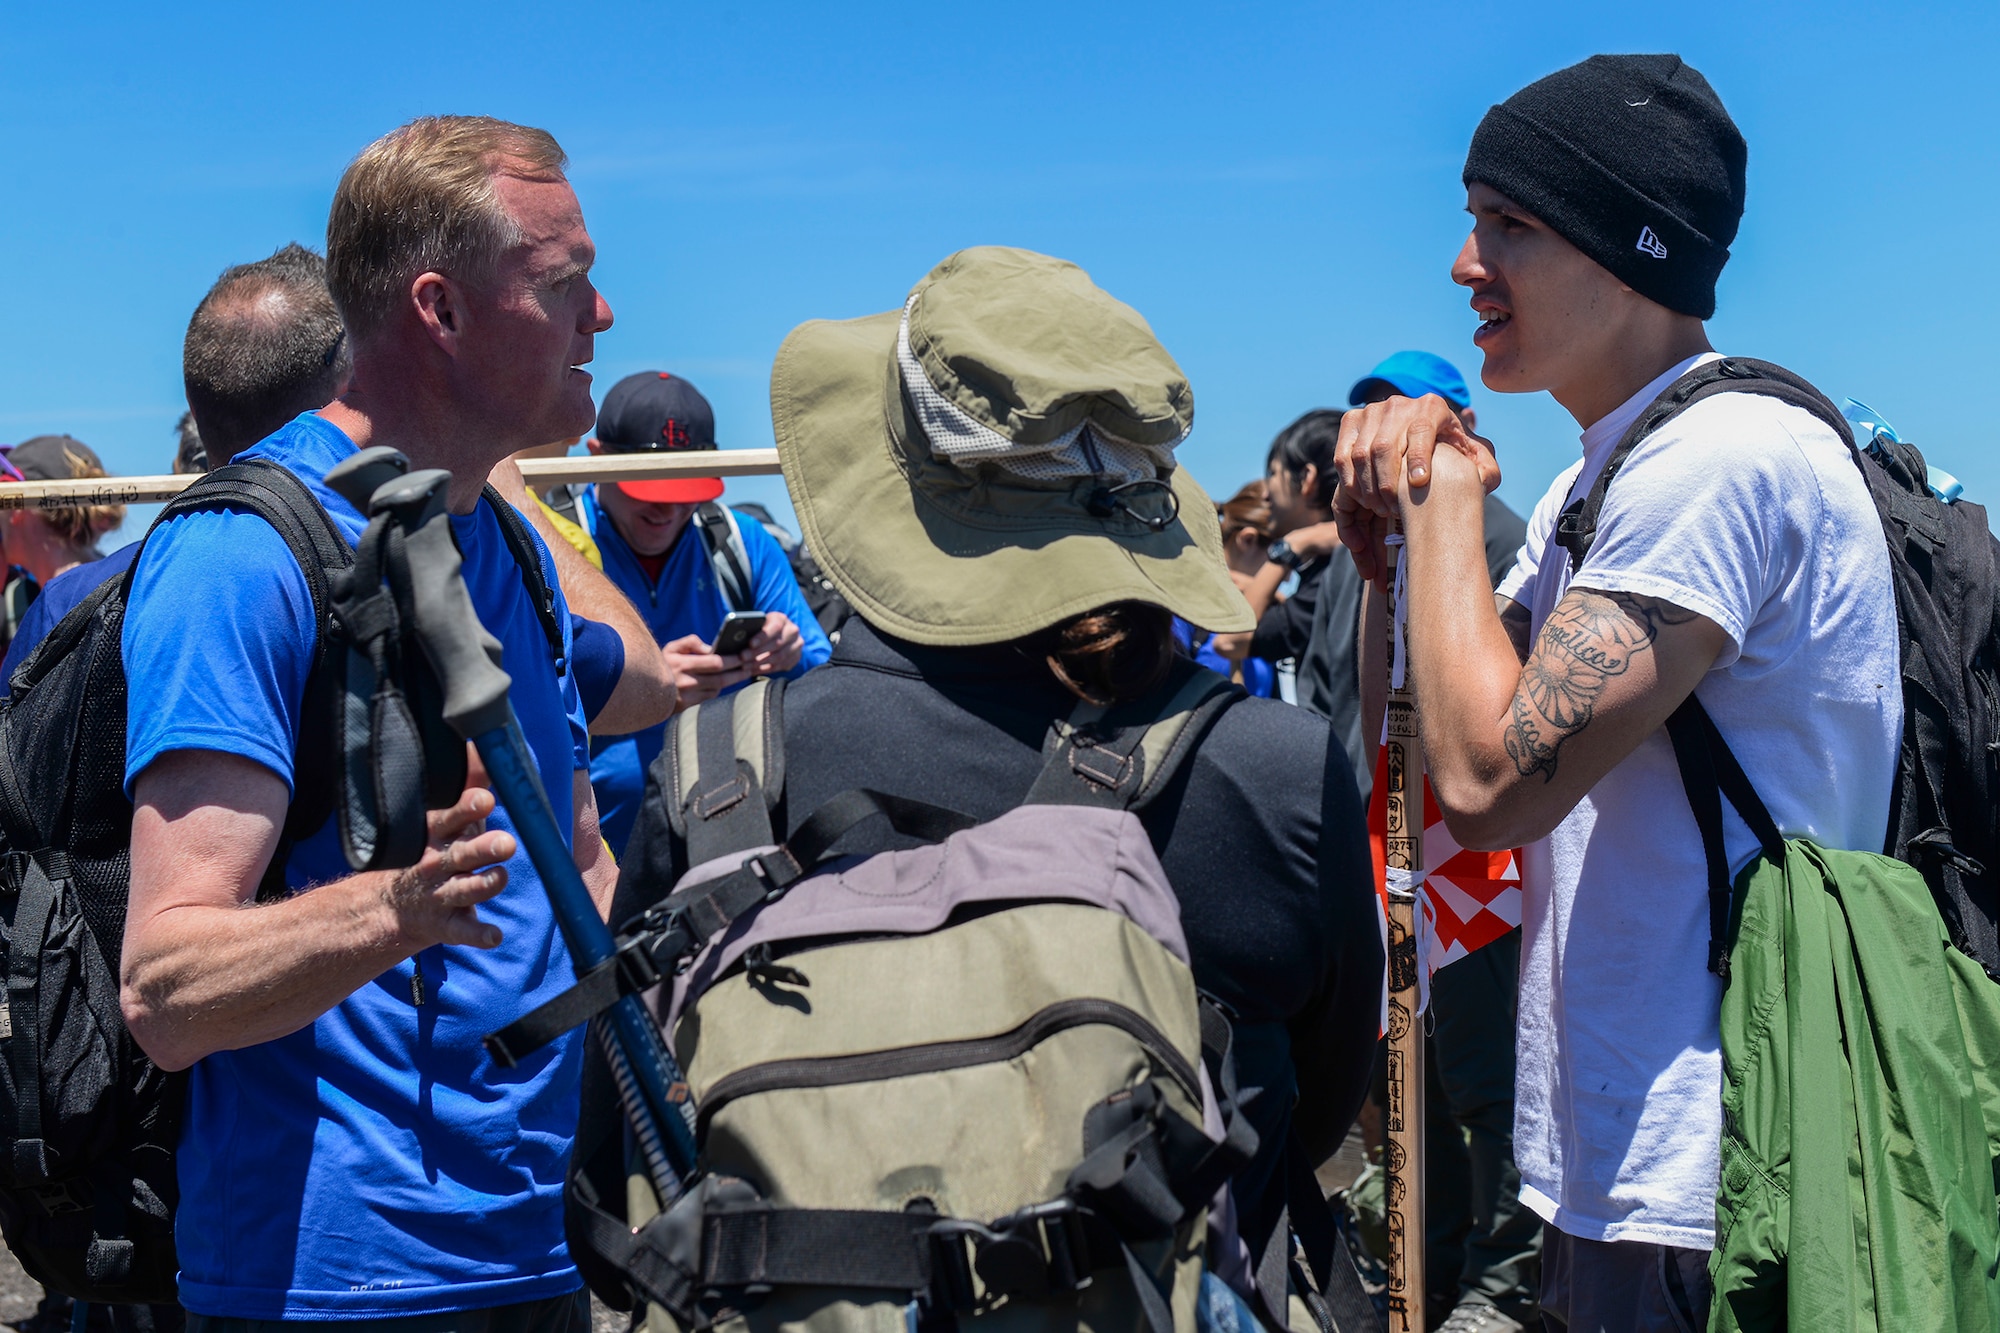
x=676 y=553
x=351 y=1153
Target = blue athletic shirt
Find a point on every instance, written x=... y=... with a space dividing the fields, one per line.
x=375 y=1163
x=685 y=600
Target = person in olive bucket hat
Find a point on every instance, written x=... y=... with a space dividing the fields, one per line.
x=987 y=474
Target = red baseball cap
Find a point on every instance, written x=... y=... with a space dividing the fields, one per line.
x=654 y=412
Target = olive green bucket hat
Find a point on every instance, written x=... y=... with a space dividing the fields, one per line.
x=997 y=456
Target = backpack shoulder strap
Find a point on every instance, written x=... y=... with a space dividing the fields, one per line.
x=521 y=544
x=1709 y=772
x=278 y=497
x=1576 y=529
x=1124 y=756
x=728 y=771
x=728 y=554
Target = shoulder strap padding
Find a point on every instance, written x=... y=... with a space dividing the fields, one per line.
x=274 y=494
x=1576 y=529
x=521 y=544
x=728 y=770
x=728 y=554
x=1123 y=756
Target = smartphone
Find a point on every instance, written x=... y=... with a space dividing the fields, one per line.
x=738 y=628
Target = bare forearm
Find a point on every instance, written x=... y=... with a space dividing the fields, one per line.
x=200 y=979
x=593 y=859
x=1262 y=590
x=1465 y=667
x=205 y=968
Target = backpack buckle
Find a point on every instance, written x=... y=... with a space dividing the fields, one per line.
x=1039 y=1251
x=74 y=1195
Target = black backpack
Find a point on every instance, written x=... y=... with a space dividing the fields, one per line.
x=87 y=1180
x=1944 y=814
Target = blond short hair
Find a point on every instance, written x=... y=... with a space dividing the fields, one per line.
x=420 y=199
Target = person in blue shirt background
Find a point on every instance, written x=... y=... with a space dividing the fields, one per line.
x=351 y=1154
x=674 y=552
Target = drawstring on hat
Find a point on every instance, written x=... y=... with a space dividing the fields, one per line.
x=1107 y=501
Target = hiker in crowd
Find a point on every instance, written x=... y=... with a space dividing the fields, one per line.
x=686 y=562
x=350 y=1153
x=42 y=544
x=1738 y=558
x=263 y=345
x=1246 y=537
x=992 y=593
x=1298 y=488
x=1482 y=1245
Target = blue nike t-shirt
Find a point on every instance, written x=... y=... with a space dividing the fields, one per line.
x=376 y=1163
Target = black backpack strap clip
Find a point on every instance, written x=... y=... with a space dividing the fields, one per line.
x=1123 y=756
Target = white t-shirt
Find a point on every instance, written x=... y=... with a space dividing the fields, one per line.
x=1754 y=514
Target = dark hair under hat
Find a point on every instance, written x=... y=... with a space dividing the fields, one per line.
x=1631 y=159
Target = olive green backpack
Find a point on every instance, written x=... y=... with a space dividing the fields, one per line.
x=969 y=1080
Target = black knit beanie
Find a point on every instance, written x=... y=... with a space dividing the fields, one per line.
x=1633 y=161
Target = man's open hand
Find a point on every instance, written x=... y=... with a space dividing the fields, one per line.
x=436 y=901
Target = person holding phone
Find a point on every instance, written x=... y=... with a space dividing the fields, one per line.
x=718 y=594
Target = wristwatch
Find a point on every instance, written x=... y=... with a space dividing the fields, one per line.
x=1281 y=553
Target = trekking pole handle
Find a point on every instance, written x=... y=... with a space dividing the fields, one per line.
x=358 y=476
x=465 y=655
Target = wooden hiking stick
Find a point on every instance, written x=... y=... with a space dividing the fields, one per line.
x=1403 y=854
x=539 y=472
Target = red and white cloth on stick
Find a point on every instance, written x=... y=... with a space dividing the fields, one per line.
x=1469 y=899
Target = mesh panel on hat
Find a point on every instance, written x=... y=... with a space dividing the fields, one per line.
x=1084 y=451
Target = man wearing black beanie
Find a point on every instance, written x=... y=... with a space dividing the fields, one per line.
x=1738 y=558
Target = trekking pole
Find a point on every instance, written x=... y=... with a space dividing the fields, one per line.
x=1403 y=857
x=467 y=661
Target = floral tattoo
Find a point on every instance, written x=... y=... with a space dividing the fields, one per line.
x=1590 y=639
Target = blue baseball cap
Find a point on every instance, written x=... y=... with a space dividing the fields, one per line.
x=1414 y=374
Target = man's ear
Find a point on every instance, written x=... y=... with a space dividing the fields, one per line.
x=1470 y=418
x=595 y=445
x=440 y=307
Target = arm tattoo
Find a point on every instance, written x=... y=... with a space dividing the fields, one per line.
x=1588 y=640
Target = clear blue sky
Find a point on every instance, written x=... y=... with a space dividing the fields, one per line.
x=1276 y=187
